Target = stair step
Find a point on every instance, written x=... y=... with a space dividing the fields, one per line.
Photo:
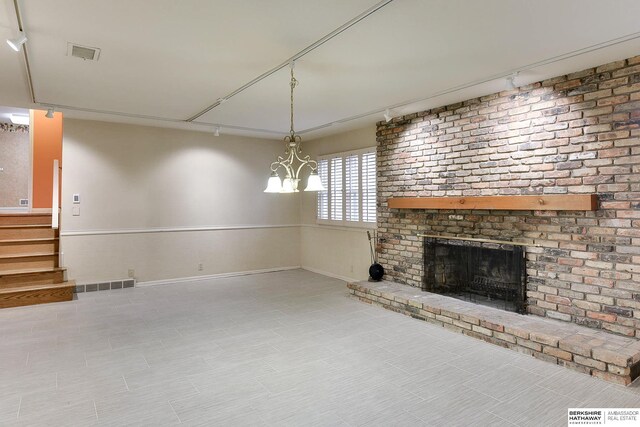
x=36 y=294
x=22 y=262
x=12 y=232
x=28 y=255
x=31 y=276
x=5 y=226
x=25 y=218
x=28 y=247
x=41 y=239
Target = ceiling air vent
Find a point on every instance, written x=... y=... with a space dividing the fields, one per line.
x=83 y=52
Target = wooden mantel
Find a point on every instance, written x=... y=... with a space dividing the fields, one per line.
x=568 y=202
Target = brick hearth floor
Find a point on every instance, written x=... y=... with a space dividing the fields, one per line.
x=599 y=353
x=286 y=348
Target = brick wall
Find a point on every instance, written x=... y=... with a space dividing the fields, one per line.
x=573 y=134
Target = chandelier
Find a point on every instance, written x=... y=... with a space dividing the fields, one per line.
x=292 y=162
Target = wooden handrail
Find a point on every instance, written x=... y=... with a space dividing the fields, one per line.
x=55 y=202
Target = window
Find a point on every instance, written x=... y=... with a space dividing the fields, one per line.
x=350 y=183
x=323 y=199
x=335 y=186
x=352 y=195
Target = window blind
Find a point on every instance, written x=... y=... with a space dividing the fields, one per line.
x=352 y=194
x=335 y=189
x=350 y=180
x=323 y=197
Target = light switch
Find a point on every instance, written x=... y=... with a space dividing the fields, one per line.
x=75 y=211
x=76 y=198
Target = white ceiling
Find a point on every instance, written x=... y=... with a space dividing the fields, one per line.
x=163 y=62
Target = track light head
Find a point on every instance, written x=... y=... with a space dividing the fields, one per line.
x=19 y=119
x=216 y=131
x=511 y=81
x=387 y=115
x=50 y=112
x=16 y=44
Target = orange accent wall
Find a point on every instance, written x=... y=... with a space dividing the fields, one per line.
x=46 y=135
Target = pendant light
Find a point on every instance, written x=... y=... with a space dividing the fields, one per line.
x=292 y=162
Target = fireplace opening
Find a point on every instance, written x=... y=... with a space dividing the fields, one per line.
x=484 y=273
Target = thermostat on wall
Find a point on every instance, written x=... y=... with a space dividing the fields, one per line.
x=76 y=198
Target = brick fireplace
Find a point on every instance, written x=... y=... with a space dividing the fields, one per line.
x=573 y=134
x=483 y=273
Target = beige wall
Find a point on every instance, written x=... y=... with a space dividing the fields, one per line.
x=140 y=185
x=337 y=251
x=15 y=149
x=161 y=202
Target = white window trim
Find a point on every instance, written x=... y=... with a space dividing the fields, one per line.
x=344 y=222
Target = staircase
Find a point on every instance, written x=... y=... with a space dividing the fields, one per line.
x=29 y=272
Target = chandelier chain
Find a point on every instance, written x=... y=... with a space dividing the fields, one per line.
x=293 y=160
x=293 y=84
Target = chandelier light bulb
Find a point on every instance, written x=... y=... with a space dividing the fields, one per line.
x=289 y=185
x=314 y=183
x=274 y=185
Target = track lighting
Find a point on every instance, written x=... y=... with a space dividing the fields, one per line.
x=17 y=43
x=19 y=119
x=216 y=131
x=511 y=84
x=388 y=115
x=50 y=112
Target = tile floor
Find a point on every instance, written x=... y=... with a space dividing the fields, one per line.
x=278 y=349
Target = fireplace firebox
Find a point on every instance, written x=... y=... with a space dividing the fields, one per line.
x=484 y=273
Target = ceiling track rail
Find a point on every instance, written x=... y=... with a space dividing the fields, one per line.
x=25 y=55
x=295 y=57
x=156 y=118
x=531 y=66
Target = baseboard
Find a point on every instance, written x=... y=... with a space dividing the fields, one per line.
x=326 y=273
x=41 y=210
x=213 y=276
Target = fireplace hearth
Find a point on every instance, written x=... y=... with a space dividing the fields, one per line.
x=490 y=274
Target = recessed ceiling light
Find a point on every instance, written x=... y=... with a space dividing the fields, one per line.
x=86 y=53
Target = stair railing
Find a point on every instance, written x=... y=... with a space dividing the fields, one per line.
x=55 y=202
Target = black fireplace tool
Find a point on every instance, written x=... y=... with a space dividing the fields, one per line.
x=376 y=271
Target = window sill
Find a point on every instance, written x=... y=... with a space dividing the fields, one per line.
x=345 y=225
